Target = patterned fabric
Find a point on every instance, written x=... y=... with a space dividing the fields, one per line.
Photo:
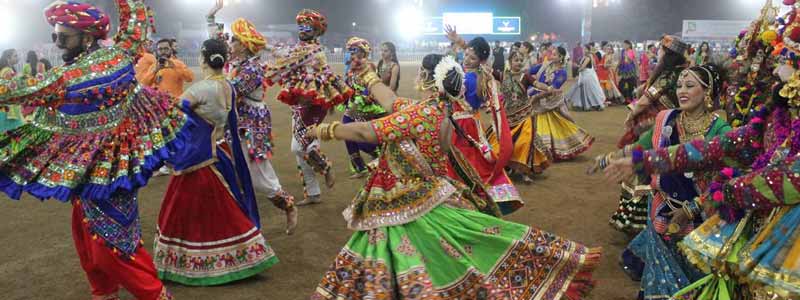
x=100 y=136
x=116 y=220
x=81 y=16
x=247 y=34
x=667 y=99
x=302 y=72
x=255 y=119
x=448 y=254
x=409 y=180
x=631 y=215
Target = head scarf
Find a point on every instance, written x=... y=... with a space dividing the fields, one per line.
x=359 y=43
x=247 y=34
x=314 y=19
x=81 y=16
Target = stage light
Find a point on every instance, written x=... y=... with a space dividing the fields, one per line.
x=409 y=22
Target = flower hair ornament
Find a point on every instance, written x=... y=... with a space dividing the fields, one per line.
x=443 y=69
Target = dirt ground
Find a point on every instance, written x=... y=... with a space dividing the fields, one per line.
x=38 y=261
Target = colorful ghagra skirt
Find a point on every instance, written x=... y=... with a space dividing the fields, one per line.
x=631 y=215
x=565 y=139
x=452 y=253
x=203 y=237
x=531 y=155
x=768 y=257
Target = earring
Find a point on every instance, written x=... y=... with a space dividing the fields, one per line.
x=709 y=102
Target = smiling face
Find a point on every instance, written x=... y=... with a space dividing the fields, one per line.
x=690 y=92
x=471 y=60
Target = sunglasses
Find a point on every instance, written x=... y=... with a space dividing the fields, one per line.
x=305 y=28
x=62 y=37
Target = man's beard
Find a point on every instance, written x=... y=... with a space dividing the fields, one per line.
x=71 y=54
x=306 y=37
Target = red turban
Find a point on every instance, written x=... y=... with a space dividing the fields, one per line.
x=81 y=16
x=313 y=18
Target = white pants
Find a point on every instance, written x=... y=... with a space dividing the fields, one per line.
x=263 y=176
x=309 y=176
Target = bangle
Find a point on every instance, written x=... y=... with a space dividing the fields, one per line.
x=322 y=131
x=369 y=79
x=331 y=130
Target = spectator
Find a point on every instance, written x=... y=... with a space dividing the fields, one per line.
x=168 y=73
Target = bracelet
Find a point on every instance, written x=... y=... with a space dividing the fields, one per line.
x=369 y=79
x=322 y=131
x=331 y=130
x=652 y=93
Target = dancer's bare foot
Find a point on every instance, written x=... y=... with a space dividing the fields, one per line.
x=291 y=220
x=329 y=179
x=309 y=200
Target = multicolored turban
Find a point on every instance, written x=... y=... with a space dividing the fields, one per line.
x=358 y=43
x=81 y=16
x=247 y=34
x=314 y=19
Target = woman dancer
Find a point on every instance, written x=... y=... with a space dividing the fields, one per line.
x=254 y=126
x=531 y=156
x=627 y=72
x=611 y=63
x=427 y=243
x=389 y=67
x=587 y=94
x=205 y=233
x=653 y=255
x=558 y=130
x=476 y=163
x=647 y=61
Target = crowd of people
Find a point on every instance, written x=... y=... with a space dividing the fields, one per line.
x=710 y=201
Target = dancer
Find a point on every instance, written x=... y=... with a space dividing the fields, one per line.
x=659 y=90
x=476 y=163
x=389 y=67
x=10 y=115
x=530 y=156
x=653 y=256
x=311 y=89
x=750 y=244
x=553 y=123
x=361 y=107
x=426 y=244
x=99 y=142
x=647 y=61
x=587 y=94
x=205 y=218
x=611 y=63
x=631 y=214
x=254 y=127
x=627 y=72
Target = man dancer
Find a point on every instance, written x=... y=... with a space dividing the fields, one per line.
x=312 y=89
x=96 y=144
